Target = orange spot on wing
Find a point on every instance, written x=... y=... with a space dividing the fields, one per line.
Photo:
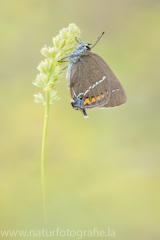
x=102 y=95
x=93 y=99
x=86 y=101
x=98 y=97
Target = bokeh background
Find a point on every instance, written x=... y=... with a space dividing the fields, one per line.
x=103 y=171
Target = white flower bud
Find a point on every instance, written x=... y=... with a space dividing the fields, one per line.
x=64 y=33
x=53 y=96
x=45 y=66
x=59 y=56
x=49 y=52
x=61 y=43
x=49 y=86
x=71 y=40
x=73 y=28
x=56 y=41
x=40 y=80
x=57 y=71
x=38 y=98
x=67 y=47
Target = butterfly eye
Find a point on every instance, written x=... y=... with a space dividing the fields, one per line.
x=88 y=47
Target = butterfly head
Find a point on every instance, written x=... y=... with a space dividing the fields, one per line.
x=77 y=105
x=80 y=50
x=83 y=47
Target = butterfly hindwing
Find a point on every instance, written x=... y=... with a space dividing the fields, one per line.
x=94 y=83
x=86 y=80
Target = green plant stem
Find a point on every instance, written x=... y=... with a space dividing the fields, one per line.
x=43 y=159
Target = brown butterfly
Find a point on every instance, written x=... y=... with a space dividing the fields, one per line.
x=91 y=82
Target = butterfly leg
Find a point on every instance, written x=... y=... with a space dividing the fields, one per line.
x=65 y=68
x=64 y=58
x=84 y=113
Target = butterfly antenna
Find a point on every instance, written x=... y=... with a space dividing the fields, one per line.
x=81 y=41
x=77 y=40
x=99 y=37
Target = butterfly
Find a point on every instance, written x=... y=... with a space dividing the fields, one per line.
x=91 y=82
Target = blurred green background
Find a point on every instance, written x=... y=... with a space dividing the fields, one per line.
x=103 y=171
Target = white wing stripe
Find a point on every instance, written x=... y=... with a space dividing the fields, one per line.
x=104 y=77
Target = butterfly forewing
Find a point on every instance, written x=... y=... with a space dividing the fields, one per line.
x=117 y=96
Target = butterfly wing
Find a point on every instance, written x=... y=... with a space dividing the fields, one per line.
x=92 y=80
